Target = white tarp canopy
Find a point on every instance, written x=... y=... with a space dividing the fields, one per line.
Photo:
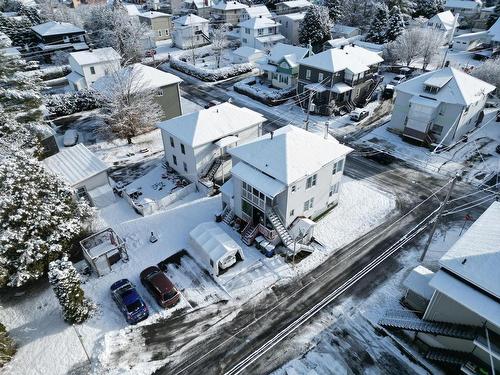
x=215 y=245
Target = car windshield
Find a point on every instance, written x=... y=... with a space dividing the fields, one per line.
x=134 y=306
x=168 y=295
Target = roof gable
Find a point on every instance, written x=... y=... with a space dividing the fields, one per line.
x=100 y=55
x=56 y=28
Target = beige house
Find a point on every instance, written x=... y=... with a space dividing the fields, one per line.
x=228 y=12
x=159 y=23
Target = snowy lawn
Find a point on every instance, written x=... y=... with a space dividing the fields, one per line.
x=476 y=158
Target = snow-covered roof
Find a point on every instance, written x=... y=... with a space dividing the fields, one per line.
x=258 y=23
x=209 y=125
x=475 y=256
x=267 y=185
x=74 y=77
x=95 y=56
x=214 y=241
x=75 y=164
x=494 y=31
x=344 y=29
x=153 y=14
x=281 y=50
x=230 y=5
x=446 y=18
x=460 y=88
x=199 y=3
x=258 y=10
x=274 y=38
x=148 y=78
x=189 y=19
x=463 y=4
x=291 y=154
x=294 y=16
x=56 y=28
x=337 y=42
x=472 y=36
x=246 y=51
x=132 y=9
x=356 y=59
x=295 y=4
x=418 y=282
x=467 y=296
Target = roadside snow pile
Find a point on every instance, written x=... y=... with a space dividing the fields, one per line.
x=262 y=93
x=210 y=75
x=71 y=102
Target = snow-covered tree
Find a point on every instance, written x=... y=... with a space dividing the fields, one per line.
x=315 y=28
x=356 y=13
x=395 y=24
x=428 y=8
x=378 y=25
x=7 y=346
x=431 y=42
x=18 y=29
x=406 y=7
x=494 y=16
x=65 y=282
x=406 y=48
x=489 y=72
x=39 y=219
x=129 y=107
x=113 y=27
x=218 y=39
x=335 y=9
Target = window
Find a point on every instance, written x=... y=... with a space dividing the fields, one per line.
x=320 y=77
x=431 y=89
x=437 y=129
x=308 y=74
x=308 y=204
x=172 y=142
x=185 y=166
x=166 y=32
x=81 y=192
x=292 y=212
x=334 y=189
x=92 y=70
x=159 y=33
x=311 y=181
x=245 y=40
x=159 y=92
x=247 y=30
x=183 y=150
x=174 y=158
x=338 y=166
x=294 y=188
x=246 y=207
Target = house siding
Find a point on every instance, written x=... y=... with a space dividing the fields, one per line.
x=170 y=102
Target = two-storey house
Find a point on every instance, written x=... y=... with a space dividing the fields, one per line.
x=439 y=106
x=255 y=11
x=294 y=6
x=444 y=22
x=282 y=66
x=281 y=178
x=201 y=8
x=339 y=78
x=190 y=31
x=290 y=25
x=260 y=32
x=159 y=23
x=465 y=8
x=228 y=12
x=88 y=66
x=59 y=36
x=196 y=144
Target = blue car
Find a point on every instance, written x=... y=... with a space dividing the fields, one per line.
x=129 y=301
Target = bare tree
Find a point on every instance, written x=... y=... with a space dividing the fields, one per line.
x=218 y=39
x=407 y=47
x=129 y=105
x=489 y=72
x=431 y=42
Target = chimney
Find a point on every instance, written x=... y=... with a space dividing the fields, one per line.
x=272 y=134
x=342 y=46
x=327 y=128
x=310 y=47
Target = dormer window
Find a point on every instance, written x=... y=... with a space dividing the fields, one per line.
x=431 y=89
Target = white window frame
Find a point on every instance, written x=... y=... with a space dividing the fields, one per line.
x=311 y=181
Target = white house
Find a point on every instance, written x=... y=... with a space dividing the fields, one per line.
x=201 y=8
x=196 y=144
x=88 y=66
x=443 y=22
x=282 y=178
x=247 y=54
x=228 y=12
x=465 y=8
x=282 y=66
x=440 y=106
x=84 y=172
x=260 y=32
x=190 y=31
x=289 y=26
x=460 y=303
x=255 y=11
x=470 y=41
x=293 y=6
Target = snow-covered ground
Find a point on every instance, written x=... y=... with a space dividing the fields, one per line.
x=476 y=158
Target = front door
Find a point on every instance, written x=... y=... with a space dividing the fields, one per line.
x=257 y=216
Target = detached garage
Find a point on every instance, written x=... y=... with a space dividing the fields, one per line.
x=214 y=247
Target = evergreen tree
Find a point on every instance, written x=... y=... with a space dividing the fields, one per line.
x=7 y=346
x=427 y=8
x=395 y=24
x=406 y=7
x=65 y=282
x=335 y=8
x=378 y=26
x=315 y=28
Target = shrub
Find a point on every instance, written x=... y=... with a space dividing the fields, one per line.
x=72 y=102
x=270 y=97
x=210 y=75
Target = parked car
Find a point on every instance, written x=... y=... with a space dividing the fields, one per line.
x=398 y=79
x=359 y=114
x=129 y=301
x=388 y=92
x=70 y=138
x=160 y=286
x=212 y=103
x=150 y=53
x=378 y=156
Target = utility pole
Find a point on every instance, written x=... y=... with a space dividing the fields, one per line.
x=308 y=109
x=455 y=20
x=440 y=212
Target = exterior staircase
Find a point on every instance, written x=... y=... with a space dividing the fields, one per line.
x=407 y=320
x=249 y=233
x=377 y=80
x=452 y=357
x=203 y=35
x=280 y=228
x=213 y=169
x=227 y=215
